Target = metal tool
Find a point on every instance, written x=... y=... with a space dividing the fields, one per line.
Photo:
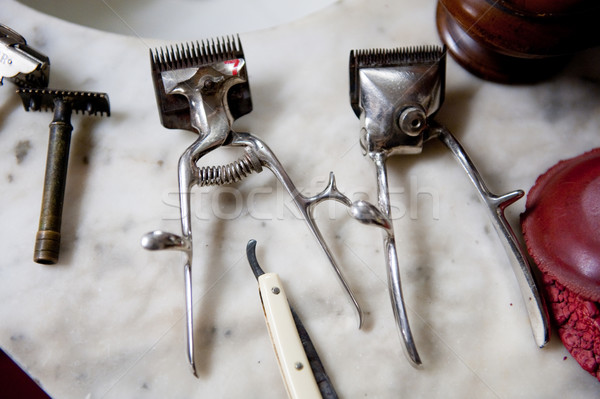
x=63 y=103
x=203 y=88
x=292 y=344
x=20 y=63
x=396 y=94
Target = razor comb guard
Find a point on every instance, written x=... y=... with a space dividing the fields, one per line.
x=174 y=108
x=90 y=103
x=63 y=103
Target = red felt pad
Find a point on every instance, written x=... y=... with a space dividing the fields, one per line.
x=561 y=226
x=562 y=223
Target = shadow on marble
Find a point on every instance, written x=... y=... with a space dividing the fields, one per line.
x=11 y=104
x=205 y=310
x=81 y=158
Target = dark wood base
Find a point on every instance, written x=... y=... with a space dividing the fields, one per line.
x=500 y=44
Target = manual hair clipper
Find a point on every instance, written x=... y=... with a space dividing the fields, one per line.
x=396 y=93
x=204 y=88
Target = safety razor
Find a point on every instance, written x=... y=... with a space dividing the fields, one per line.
x=63 y=103
x=396 y=93
x=21 y=64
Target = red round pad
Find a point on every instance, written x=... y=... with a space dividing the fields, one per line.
x=562 y=223
x=561 y=226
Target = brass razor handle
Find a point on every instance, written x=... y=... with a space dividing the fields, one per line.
x=47 y=240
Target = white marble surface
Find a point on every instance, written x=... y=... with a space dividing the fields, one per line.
x=107 y=322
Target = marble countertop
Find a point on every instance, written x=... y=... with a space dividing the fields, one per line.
x=108 y=320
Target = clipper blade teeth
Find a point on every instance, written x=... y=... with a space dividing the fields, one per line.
x=174 y=109
x=396 y=57
x=431 y=57
x=190 y=55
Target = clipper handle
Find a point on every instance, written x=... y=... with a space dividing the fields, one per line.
x=393 y=268
x=47 y=242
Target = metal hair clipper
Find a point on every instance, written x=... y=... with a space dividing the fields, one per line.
x=21 y=64
x=204 y=88
x=396 y=94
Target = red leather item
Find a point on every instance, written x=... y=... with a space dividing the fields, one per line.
x=561 y=225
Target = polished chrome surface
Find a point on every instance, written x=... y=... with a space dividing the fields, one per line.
x=20 y=63
x=304 y=204
x=367 y=213
x=212 y=80
x=393 y=92
x=393 y=269
x=391 y=103
x=496 y=204
x=161 y=240
x=191 y=85
x=396 y=94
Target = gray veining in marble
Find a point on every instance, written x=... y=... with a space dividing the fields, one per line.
x=107 y=321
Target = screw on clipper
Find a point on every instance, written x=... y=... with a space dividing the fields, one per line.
x=396 y=94
x=20 y=63
x=63 y=103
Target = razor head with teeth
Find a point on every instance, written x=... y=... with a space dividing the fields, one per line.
x=394 y=92
x=224 y=57
x=90 y=103
x=21 y=64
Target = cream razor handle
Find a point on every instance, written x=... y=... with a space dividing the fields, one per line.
x=294 y=366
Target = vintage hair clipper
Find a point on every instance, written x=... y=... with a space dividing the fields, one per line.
x=203 y=88
x=396 y=94
x=21 y=64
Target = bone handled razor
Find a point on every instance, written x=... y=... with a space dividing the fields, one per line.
x=396 y=93
x=303 y=372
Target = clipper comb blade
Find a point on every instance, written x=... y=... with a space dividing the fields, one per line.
x=394 y=92
x=395 y=57
x=175 y=109
x=423 y=56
